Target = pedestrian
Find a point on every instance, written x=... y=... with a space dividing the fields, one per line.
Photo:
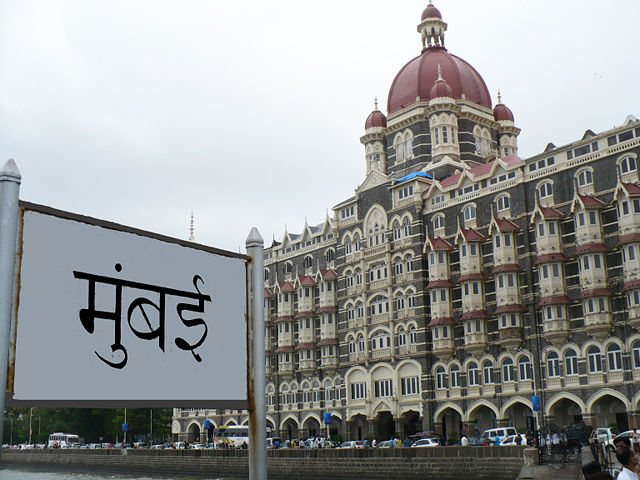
x=374 y=443
x=635 y=440
x=529 y=437
x=244 y=445
x=629 y=461
x=497 y=441
x=464 y=441
x=365 y=444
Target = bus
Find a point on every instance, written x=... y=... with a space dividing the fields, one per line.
x=63 y=440
x=232 y=436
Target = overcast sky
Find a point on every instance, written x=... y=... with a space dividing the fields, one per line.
x=250 y=113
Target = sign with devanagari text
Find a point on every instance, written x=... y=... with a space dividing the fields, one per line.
x=118 y=316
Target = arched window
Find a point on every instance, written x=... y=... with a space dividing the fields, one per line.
x=455 y=376
x=502 y=203
x=380 y=340
x=545 y=189
x=438 y=222
x=635 y=353
x=473 y=374
x=406 y=228
x=379 y=305
x=585 y=177
x=553 y=365
x=413 y=335
x=399 y=302
x=570 y=362
x=469 y=212
x=614 y=357
x=441 y=378
x=400 y=153
x=507 y=370
x=524 y=368
x=627 y=165
x=361 y=343
x=330 y=255
x=594 y=359
x=409 y=263
x=307 y=262
x=288 y=267
x=356 y=242
x=487 y=372
x=408 y=148
x=348 y=247
x=396 y=230
x=266 y=275
x=402 y=337
x=352 y=345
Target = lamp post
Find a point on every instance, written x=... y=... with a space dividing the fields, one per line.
x=30 y=418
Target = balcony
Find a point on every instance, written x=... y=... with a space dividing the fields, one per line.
x=441 y=394
x=525 y=385
x=376 y=250
x=595 y=378
x=377 y=319
x=556 y=331
x=509 y=387
x=554 y=383
x=475 y=343
x=598 y=325
x=510 y=337
x=355 y=290
x=379 y=284
x=381 y=353
x=443 y=349
x=359 y=357
x=473 y=391
x=488 y=390
x=615 y=377
x=407 y=349
x=571 y=380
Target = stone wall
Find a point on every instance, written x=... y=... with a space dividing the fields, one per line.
x=449 y=463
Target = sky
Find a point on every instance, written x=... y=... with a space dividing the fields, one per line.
x=249 y=113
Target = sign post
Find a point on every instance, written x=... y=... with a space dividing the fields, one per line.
x=256 y=359
x=9 y=193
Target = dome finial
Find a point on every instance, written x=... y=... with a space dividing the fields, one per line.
x=432 y=27
x=191 y=229
x=499 y=97
x=375 y=103
x=440 y=79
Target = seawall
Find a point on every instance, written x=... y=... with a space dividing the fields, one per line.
x=449 y=463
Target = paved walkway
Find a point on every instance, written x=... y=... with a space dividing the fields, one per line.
x=559 y=471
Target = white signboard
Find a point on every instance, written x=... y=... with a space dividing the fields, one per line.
x=119 y=316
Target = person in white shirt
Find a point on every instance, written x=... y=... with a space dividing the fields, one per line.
x=629 y=461
x=464 y=441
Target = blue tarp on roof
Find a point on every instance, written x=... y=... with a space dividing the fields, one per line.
x=414 y=175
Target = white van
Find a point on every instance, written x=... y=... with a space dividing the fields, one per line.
x=501 y=432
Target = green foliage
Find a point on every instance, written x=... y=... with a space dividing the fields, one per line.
x=88 y=423
x=337 y=439
x=454 y=437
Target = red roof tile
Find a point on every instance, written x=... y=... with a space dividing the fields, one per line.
x=554 y=300
x=268 y=293
x=452 y=180
x=441 y=321
x=285 y=349
x=551 y=257
x=591 y=202
x=511 y=159
x=550 y=213
x=509 y=267
x=305 y=314
x=630 y=238
x=329 y=275
x=440 y=244
x=477 y=314
x=307 y=281
x=505 y=225
x=301 y=346
x=327 y=309
x=472 y=276
x=286 y=287
x=481 y=169
x=515 y=307
x=631 y=188
x=591 y=248
x=470 y=235
x=328 y=341
x=596 y=292
x=440 y=283
x=285 y=318
x=631 y=285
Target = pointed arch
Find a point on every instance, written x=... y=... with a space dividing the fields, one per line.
x=440 y=410
x=568 y=396
x=603 y=393
x=480 y=403
x=512 y=401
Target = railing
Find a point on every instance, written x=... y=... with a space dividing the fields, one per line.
x=381 y=353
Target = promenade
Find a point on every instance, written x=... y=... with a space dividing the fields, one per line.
x=450 y=463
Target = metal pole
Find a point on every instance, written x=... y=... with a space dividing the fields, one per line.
x=151 y=429
x=123 y=430
x=30 y=417
x=256 y=374
x=10 y=179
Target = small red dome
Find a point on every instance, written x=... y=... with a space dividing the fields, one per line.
x=502 y=112
x=431 y=12
x=441 y=89
x=375 y=119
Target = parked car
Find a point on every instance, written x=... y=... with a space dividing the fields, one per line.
x=501 y=432
x=352 y=444
x=512 y=440
x=385 y=444
x=426 y=442
x=605 y=436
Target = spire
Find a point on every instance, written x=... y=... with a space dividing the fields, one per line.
x=440 y=79
x=191 y=229
x=375 y=103
x=499 y=97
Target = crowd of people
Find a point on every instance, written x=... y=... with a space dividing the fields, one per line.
x=626 y=451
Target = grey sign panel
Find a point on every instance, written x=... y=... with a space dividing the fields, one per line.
x=118 y=316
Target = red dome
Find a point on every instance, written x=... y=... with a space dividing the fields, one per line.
x=375 y=119
x=431 y=12
x=417 y=78
x=441 y=89
x=502 y=112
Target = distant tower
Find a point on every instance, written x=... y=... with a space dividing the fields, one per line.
x=191 y=229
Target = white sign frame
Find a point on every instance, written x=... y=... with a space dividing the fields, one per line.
x=141 y=278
